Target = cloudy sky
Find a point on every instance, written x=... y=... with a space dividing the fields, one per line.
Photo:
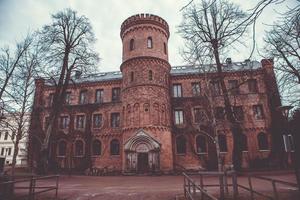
x=17 y=17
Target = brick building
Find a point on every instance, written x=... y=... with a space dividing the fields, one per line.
x=148 y=116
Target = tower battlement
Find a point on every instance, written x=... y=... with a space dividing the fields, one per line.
x=144 y=18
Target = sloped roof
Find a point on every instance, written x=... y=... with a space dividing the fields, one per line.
x=175 y=71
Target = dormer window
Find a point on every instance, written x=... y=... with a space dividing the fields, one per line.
x=149 y=43
x=131 y=45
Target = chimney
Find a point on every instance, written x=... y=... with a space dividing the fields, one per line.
x=248 y=62
x=228 y=61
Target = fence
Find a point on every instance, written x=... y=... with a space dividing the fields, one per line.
x=274 y=183
x=190 y=189
x=194 y=190
x=27 y=188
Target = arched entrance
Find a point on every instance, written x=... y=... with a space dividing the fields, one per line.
x=142 y=153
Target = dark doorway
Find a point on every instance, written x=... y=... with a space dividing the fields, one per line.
x=143 y=164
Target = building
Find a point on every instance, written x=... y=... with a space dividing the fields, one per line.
x=8 y=128
x=146 y=117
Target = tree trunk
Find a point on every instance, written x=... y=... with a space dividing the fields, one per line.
x=57 y=105
x=14 y=160
x=235 y=127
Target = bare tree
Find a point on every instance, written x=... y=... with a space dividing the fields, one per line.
x=9 y=62
x=66 y=46
x=210 y=28
x=283 y=43
x=20 y=98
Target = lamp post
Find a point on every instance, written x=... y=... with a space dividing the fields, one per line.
x=288 y=143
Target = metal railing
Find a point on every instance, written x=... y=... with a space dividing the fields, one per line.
x=193 y=191
x=273 y=182
x=29 y=188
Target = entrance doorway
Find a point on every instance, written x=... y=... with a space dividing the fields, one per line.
x=143 y=163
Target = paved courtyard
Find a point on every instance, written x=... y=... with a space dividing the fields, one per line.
x=140 y=187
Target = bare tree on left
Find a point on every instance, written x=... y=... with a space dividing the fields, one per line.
x=9 y=60
x=66 y=47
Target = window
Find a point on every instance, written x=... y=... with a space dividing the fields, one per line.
x=47 y=121
x=114 y=147
x=8 y=151
x=222 y=143
x=150 y=75
x=201 y=144
x=115 y=94
x=80 y=119
x=233 y=87
x=78 y=148
x=2 y=151
x=178 y=117
x=6 y=135
x=216 y=89
x=83 y=97
x=165 y=48
x=196 y=89
x=97 y=120
x=258 y=112
x=131 y=45
x=115 y=120
x=96 y=148
x=64 y=122
x=289 y=144
x=238 y=113
x=252 y=86
x=99 y=96
x=262 y=140
x=62 y=146
x=220 y=113
x=50 y=100
x=199 y=115
x=181 y=145
x=149 y=43
x=177 y=91
x=131 y=76
x=68 y=98
x=244 y=143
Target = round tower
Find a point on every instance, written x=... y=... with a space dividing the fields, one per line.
x=145 y=95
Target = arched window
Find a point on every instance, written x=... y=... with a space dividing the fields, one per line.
x=62 y=146
x=131 y=76
x=96 y=148
x=149 y=43
x=244 y=142
x=131 y=45
x=165 y=48
x=150 y=75
x=222 y=143
x=114 y=147
x=78 y=148
x=181 y=145
x=201 y=144
x=262 y=140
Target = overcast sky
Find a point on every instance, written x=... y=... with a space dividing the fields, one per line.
x=17 y=17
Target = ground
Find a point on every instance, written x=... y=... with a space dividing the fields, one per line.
x=144 y=187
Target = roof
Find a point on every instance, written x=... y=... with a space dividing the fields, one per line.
x=175 y=71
